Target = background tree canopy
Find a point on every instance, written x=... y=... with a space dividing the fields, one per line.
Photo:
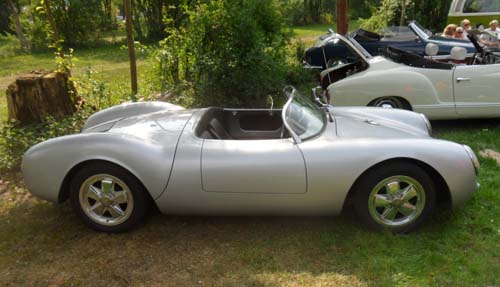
x=207 y=52
x=87 y=22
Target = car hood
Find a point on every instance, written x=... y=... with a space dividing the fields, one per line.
x=366 y=122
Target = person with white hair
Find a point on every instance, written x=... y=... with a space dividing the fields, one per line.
x=466 y=26
x=459 y=33
x=490 y=35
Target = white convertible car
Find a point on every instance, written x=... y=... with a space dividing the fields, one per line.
x=462 y=89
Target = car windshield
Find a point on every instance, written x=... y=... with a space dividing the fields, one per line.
x=302 y=116
x=398 y=33
x=419 y=30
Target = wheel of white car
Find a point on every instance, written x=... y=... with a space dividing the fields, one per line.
x=397 y=196
x=108 y=198
x=389 y=103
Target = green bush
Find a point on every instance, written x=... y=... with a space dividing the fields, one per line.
x=385 y=15
x=94 y=95
x=15 y=140
x=9 y=46
x=227 y=53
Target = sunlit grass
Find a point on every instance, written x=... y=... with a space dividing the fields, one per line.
x=45 y=244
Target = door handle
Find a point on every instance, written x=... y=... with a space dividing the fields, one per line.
x=463 y=79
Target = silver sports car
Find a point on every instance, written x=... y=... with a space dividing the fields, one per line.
x=306 y=159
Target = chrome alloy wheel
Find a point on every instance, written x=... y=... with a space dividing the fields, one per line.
x=396 y=201
x=106 y=200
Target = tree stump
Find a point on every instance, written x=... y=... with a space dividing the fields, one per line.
x=35 y=96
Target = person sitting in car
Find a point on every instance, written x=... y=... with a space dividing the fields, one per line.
x=459 y=33
x=449 y=31
x=490 y=35
x=466 y=26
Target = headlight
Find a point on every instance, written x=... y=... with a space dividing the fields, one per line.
x=473 y=158
x=427 y=123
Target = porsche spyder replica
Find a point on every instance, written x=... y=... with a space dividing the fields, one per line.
x=414 y=38
x=399 y=79
x=305 y=159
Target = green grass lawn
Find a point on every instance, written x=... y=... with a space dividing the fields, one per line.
x=45 y=244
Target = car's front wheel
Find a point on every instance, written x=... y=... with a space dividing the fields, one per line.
x=396 y=196
x=108 y=198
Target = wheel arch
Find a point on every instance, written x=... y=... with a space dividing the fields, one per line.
x=443 y=194
x=64 y=190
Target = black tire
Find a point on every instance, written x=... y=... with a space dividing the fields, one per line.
x=365 y=204
x=136 y=194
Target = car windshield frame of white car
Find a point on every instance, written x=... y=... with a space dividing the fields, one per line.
x=360 y=49
x=302 y=116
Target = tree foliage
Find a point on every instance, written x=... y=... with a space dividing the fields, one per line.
x=226 y=52
x=431 y=14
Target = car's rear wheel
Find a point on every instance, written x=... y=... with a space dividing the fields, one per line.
x=397 y=196
x=389 y=103
x=108 y=198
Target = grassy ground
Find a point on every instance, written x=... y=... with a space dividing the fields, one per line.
x=45 y=244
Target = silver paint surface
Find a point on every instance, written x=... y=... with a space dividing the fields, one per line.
x=190 y=175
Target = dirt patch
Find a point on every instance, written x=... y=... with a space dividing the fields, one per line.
x=489 y=153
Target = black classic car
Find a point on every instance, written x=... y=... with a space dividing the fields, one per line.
x=327 y=53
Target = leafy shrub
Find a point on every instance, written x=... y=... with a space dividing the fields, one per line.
x=293 y=12
x=227 y=53
x=9 y=46
x=384 y=16
x=15 y=140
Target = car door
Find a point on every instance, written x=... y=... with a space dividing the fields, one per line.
x=476 y=90
x=274 y=166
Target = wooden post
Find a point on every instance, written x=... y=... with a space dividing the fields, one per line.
x=342 y=21
x=131 y=49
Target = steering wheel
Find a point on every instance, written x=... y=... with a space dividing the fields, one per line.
x=335 y=62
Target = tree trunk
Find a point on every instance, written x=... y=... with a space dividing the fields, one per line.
x=403 y=13
x=131 y=48
x=35 y=96
x=19 y=28
x=342 y=21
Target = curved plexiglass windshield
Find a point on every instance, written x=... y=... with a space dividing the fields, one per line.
x=302 y=116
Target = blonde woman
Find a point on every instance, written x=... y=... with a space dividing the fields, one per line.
x=449 y=31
